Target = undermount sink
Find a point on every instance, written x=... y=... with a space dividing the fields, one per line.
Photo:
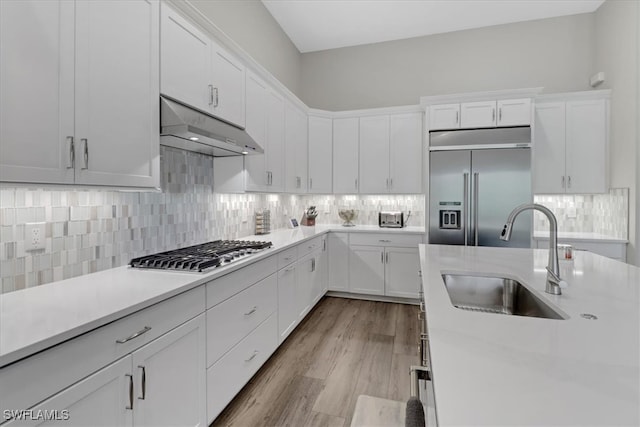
x=497 y=295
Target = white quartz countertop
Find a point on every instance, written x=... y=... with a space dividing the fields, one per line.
x=580 y=236
x=492 y=369
x=37 y=318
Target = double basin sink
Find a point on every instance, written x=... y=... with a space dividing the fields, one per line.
x=499 y=295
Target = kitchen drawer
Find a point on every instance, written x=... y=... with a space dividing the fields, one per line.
x=52 y=370
x=227 y=376
x=288 y=256
x=232 y=320
x=228 y=285
x=386 y=239
x=309 y=246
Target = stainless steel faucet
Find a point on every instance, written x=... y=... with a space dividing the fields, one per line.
x=554 y=282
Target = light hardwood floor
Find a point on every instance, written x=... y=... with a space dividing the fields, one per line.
x=342 y=349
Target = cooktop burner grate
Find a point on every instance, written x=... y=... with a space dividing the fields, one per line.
x=200 y=257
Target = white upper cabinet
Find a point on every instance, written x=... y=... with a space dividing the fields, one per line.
x=549 y=148
x=185 y=60
x=571 y=144
x=228 y=86
x=391 y=154
x=374 y=154
x=345 y=155
x=296 y=149
x=274 y=149
x=445 y=116
x=320 y=155
x=36 y=81
x=117 y=119
x=478 y=114
x=405 y=153
x=256 y=178
x=514 y=112
x=265 y=114
x=198 y=72
x=587 y=153
x=96 y=107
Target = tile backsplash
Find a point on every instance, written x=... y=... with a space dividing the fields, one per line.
x=595 y=213
x=89 y=230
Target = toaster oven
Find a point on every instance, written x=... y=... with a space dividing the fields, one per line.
x=391 y=219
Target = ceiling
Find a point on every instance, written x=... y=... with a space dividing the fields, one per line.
x=315 y=25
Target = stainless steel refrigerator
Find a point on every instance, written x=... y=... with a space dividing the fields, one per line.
x=476 y=177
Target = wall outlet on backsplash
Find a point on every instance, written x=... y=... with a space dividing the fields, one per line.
x=34 y=236
x=571 y=212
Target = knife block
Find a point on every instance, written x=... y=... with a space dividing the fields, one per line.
x=310 y=222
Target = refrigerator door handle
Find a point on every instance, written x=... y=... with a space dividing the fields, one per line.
x=465 y=204
x=476 y=177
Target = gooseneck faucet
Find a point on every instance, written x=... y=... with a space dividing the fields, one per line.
x=554 y=282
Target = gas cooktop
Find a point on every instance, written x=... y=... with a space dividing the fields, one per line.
x=200 y=257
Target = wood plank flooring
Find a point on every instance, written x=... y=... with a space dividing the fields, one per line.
x=342 y=349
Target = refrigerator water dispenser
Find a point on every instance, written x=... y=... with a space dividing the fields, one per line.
x=449 y=219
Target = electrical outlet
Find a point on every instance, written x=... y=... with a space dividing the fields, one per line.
x=34 y=236
x=571 y=212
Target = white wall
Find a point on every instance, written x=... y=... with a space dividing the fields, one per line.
x=250 y=25
x=556 y=53
x=616 y=30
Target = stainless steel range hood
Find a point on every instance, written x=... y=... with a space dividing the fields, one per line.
x=189 y=129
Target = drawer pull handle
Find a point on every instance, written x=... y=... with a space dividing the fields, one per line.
x=287 y=258
x=384 y=240
x=144 y=382
x=136 y=335
x=290 y=269
x=130 y=407
x=255 y=353
x=253 y=310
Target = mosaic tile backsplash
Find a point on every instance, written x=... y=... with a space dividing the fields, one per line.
x=606 y=214
x=89 y=230
x=92 y=230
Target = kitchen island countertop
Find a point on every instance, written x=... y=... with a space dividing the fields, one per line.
x=492 y=369
x=34 y=319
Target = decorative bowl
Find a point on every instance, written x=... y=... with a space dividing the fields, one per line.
x=348 y=215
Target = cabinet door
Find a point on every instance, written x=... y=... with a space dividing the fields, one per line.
x=587 y=154
x=549 y=149
x=323 y=267
x=304 y=295
x=275 y=142
x=295 y=140
x=117 y=99
x=185 y=61
x=320 y=155
x=170 y=378
x=317 y=277
x=478 y=114
x=514 y=112
x=345 y=155
x=256 y=126
x=101 y=399
x=374 y=155
x=338 y=244
x=228 y=86
x=36 y=91
x=445 y=116
x=366 y=270
x=405 y=153
x=287 y=302
x=401 y=272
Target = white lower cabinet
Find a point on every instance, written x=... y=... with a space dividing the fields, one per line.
x=287 y=307
x=229 y=374
x=366 y=270
x=162 y=383
x=384 y=264
x=401 y=275
x=338 y=260
x=169 y=378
